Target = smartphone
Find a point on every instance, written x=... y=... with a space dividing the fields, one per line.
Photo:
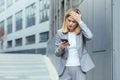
x=64 y=40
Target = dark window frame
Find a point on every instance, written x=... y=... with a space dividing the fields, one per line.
x=19 y=21
x=18 y=42
x=44 y=36
x=30 y=17
x=30 y=39
x=9 y=24
x=9 y=44
x=43 y=11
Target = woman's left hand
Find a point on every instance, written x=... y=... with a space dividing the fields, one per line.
x=76 y=16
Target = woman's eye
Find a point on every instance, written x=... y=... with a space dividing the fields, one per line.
x=69 y=20
x=74 y=22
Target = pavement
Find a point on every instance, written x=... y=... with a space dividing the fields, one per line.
x=26 y=67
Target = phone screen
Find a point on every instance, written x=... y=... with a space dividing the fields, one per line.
x=64 y=40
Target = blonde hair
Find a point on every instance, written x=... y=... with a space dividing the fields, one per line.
x=64 y=26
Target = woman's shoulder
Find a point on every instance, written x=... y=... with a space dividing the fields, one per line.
x=59 y=31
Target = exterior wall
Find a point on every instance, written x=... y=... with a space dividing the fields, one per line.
x=97 y=15
x=116 y=40
x=26 y=31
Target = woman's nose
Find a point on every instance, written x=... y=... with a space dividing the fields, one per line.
x=70 y=23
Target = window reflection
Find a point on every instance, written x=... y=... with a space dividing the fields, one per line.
x=2 y=5
x=44 y=36
x=9 y=25
x=30 y=15
x=9 y=44
x=18 y=22
x=30 y=39
x=18 y=42
x=44 y=10
x=2 y=24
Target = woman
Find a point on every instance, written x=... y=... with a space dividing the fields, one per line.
x=73 y=64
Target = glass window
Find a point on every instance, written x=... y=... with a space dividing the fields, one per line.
x=44 y=10
x=44 y=36
x=9 y=25
x=2 y=4
x=9 y=44
x=9 y=2
x=2 y=24
x=18 y=42
x=18 y=22
x=30 y=39
x=30 y=15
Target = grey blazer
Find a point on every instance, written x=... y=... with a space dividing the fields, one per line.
x=85 y=60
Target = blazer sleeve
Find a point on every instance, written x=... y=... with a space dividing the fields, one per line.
x=86 y=31
x=58 y=50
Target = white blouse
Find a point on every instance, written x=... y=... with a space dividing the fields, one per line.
x=73 y=57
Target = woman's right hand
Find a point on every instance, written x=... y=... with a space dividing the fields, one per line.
x=64 y=45
x=76 y=16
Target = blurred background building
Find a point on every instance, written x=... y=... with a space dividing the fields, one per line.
x=26 y=25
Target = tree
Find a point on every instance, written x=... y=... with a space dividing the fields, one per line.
x=1 y=37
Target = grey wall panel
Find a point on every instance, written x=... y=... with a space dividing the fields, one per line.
x=100 y=69
x=116 y=39
x=95 y=13
x=99 y=25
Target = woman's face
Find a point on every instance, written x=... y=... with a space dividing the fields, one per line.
x=71 y=23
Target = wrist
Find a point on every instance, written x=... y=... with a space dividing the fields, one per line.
x=62 y=48
x=80 y=22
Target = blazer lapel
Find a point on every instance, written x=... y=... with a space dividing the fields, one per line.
x=78 y=41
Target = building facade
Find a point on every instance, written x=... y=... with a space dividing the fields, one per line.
x=26 y=25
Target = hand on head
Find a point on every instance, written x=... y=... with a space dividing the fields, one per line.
x=75 y=14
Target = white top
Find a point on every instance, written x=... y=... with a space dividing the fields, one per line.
x=73 y=56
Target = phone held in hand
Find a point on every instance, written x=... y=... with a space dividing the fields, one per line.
x=64 y=40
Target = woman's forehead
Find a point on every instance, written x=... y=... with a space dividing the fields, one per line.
x=70 y=18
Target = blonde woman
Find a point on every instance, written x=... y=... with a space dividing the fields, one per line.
x=70 y=46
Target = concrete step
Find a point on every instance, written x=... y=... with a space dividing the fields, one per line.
x=26 y=67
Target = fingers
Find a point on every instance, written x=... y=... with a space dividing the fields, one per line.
x=76 y=16
x=65 y=43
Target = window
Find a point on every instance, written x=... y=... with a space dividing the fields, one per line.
x=30 y=15
x=44 y=36
x=2 y=5
x=2 y=24
x=9 y=44
x=9 y=25
x=18 y=18
x=9 y=2
x=44 y=10
x=18 y=42
x=30 y=39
